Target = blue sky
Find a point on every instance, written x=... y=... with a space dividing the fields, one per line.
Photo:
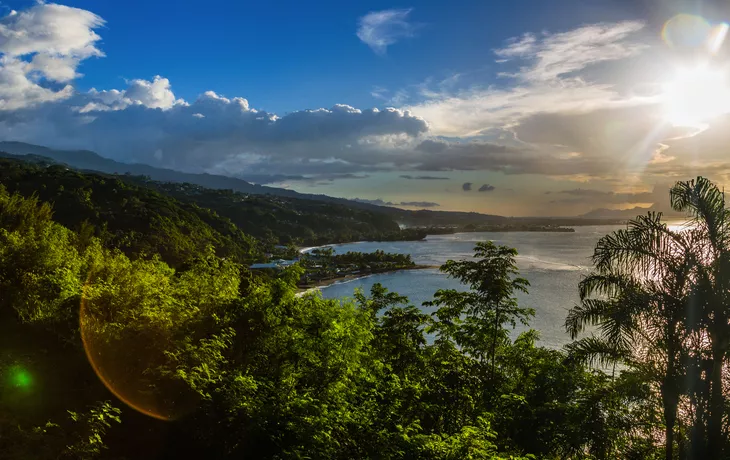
x=550 y=108
x=287 y=56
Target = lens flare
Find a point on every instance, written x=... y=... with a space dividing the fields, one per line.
x=686 y=31
x=20 y=378
x=123 y=359
x=717 y=37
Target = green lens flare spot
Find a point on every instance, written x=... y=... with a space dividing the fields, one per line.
x=20 y=377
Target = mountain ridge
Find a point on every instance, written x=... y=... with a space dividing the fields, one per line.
x=87 y=160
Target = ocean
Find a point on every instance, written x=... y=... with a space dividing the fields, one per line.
x=553 y=263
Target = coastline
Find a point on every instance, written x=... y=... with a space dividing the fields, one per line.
x=564 y=229
x=302 y=290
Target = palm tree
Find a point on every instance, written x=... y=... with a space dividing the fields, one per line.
x=638 y=296
x=705 y=204
x=663 y=297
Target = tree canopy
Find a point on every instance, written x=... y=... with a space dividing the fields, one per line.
x=111 y=350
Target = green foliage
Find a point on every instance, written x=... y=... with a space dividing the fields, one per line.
x=80 y=436
x=92 y=425
x=241 y=366
x=283 y=220
x=39 y=265
x=475 y=320
x=135 y=219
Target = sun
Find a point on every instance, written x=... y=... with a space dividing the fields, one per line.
x=696 y=95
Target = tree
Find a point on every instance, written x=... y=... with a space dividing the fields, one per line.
x=705 y=204
x=475 y=320
x=660 y=297
x=638 y=296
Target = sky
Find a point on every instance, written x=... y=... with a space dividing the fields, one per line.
x=520 y=108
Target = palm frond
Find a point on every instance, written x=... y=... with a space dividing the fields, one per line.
x=589 y=312
x=701 y=199
x=595 y=350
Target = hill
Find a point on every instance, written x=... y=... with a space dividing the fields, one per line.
x=137 y=220
x=181 y=218
x=91 y=161
x=88 y=160
x=284 y=220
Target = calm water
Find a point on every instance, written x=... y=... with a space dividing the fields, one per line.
x=553 y=263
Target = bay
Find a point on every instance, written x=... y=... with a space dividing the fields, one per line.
x=553 y=263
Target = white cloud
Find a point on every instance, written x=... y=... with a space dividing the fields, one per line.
x=380 y=29
x=155 y=94
x=55 y=68
x=517 y=47
x=50 y=28
x=146 y=123
x=547 y=82
x=560 y=54
x=44 y=43
x=18 y=91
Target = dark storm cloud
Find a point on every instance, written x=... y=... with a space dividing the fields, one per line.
x=210 y=131
x=377 y=201
x=508 y=159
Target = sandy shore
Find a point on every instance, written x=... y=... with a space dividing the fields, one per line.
x=342 y=279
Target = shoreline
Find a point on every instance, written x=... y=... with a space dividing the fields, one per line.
x=301 y=290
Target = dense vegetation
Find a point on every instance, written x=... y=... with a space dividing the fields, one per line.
x=284 y=220
x=250 y=369
x=142 y=215
x=222 y=365
x=137 y=220
x=322 y=263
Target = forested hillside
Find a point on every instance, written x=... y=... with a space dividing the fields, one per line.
x=171 y=217
x=109 y=357
x=137 y=220
x=285 y=220
x=91 y=161
x=107 y=351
